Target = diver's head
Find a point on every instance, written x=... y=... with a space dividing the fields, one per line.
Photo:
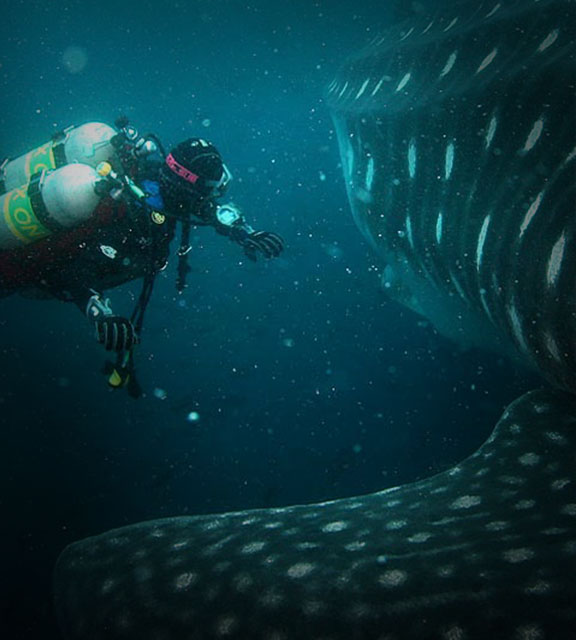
x=193 y=171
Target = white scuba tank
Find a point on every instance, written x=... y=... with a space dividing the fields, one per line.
x=88 y=144
x=53 y=201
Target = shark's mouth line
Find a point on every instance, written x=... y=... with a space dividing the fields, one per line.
x=458 y=142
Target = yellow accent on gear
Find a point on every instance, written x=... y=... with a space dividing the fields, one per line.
x=104 y=169
x=20 y=218
x=115 y=379
x=157 y=217
x=39 y=159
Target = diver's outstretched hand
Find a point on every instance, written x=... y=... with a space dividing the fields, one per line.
x=266 y=243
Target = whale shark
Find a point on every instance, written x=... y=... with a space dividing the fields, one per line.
x=457 y=135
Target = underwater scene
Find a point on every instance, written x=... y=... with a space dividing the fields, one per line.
x=288 y=315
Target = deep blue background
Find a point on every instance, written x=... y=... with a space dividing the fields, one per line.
x=309 y=383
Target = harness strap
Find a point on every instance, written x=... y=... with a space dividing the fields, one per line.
x=183 y=251
x=137 y=317
x=38 y=206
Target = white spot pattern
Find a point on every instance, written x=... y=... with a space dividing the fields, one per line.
x=405 y=80
x=452 y=23
x=490 y=131
x=428 y=27
x=466 y=502
x=481 y=241
x=555 y=261
x=226 y=625
x=449 y=64
x=569 y=510
x=184 y=580
x=253 y=547
x=300 y=570
x=449 y=161
x=534 y=135
x=515 y=556
x=549 y=40
x=493 y=11
x=531 y=213
x=362 y=88
x=370 y=174
x=378 y=85
x=335 y=526
x=409 y=231
x=487 y=60
x=412 y=158
x=517 y=328
x=529 y=459
x=439 y=228
x=393 y=578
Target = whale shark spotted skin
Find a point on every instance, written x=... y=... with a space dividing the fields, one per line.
x=487 y=549
x=458 y=141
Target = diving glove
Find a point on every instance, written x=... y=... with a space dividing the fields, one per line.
x=269 y=244
x=115 y=333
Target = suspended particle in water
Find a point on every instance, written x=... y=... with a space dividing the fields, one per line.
x=333 y=250
x=206 y=122
x=74 y=59
x=160 y=394
x=193 y=416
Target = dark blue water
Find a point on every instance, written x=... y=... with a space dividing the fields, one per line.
x=308 y=383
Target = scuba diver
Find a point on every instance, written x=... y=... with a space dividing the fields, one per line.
x=98 y=206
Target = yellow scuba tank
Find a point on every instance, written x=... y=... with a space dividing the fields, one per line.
x=52 y=201
x=89 y=144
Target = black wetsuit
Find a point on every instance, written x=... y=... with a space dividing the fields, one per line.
x=134 y=242
x=124 y=240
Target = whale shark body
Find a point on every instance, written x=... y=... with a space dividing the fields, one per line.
x=458 y=142
x=487 y=549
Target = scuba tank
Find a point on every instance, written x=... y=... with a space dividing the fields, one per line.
x=56 y=186
x=90 y=144
x=51 y=202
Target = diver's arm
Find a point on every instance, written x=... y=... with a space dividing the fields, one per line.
x=62 y=288
x=229 y=221
x=114 y=332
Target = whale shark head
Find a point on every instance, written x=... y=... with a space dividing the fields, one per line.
x=458 y=141
x=457 y=135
